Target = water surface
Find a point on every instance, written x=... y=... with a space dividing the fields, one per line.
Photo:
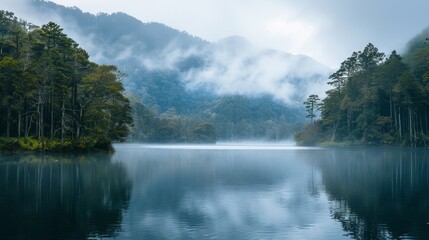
x=217 y=192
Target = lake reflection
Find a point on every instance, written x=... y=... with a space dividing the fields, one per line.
x=379 y=194
x=182 y=192
x=194 y=194
x=61 y=197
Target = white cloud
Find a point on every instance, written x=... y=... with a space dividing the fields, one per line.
x=328 y=31
x=234 y=66
x=255 y=72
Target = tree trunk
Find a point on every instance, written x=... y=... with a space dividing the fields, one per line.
x=42 y=134
x=78 y=124
x=426 y=121
x=9 y=113
x=38 y=122
x=400 y=124
x=19 y=122
x=410 y=125
x=40 y=110
x=52 y=117
x=29 y=127
x=62 y=122
x=416 y=127
x=395 y=114
x=26 y=119
x=74 y=109
x=391 y=112
x=349 y=119
x=334 y=130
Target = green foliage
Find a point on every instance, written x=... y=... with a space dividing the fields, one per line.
x=9 y=145
x=163 y=88
x=311 y=106
x=239 y=117
x=230 y=118
x=375 y=102
x=29 y=144
x=50 y=90
x=204 y=132
x=84 y=144
x=417 y=43
x=169 y=127
x=309 y=135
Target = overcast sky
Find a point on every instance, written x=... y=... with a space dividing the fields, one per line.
x=328 y=30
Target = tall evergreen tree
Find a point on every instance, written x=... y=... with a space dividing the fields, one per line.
x=49 y=88
x=312 y=105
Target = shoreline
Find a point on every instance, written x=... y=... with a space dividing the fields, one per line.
x=31 y=145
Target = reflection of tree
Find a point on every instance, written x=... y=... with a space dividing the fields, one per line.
x=74 y=198
x=313 y=183
x=379 y=194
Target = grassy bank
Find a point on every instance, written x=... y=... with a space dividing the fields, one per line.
x=84 y=144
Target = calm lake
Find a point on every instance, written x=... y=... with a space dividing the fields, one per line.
x=217 y=192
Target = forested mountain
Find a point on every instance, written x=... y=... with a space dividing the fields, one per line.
x=186 y=89
x=170 y=71
x=417 y=43
x=376 y=100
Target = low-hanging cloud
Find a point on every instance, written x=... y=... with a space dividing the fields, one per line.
x=234 y=66
x=230 y=66
x=251 y=71
x=328 y=31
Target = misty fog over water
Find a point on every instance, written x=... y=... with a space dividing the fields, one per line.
x=217 y=192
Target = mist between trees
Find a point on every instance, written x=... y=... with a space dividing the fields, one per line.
x=53 y=98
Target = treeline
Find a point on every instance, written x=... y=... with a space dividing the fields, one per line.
x=375 y=101
x=52 y=93
x=168 y=127
x=231 y=118
x=262 y=118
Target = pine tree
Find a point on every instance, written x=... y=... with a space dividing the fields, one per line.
x=312 y=105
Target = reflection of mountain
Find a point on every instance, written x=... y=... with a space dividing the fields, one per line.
x=74 y=198
x=192 y=194
x=177 y=173
x=379 y=194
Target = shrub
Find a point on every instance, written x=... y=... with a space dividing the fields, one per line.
x=29 y=144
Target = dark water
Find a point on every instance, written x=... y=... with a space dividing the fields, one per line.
x=196 y=192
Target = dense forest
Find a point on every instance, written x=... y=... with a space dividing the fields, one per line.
x=168 y=127
x=375 y=100
x=51 y=96
x=158 y=60
x=231 y=118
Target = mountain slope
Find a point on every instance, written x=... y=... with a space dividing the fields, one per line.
x=139 y=48
x=170 y=70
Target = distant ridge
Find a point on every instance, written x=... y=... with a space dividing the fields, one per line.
x=227 y=82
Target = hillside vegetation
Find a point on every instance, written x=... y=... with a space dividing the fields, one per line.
x=376 y=100
x=184 y=81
